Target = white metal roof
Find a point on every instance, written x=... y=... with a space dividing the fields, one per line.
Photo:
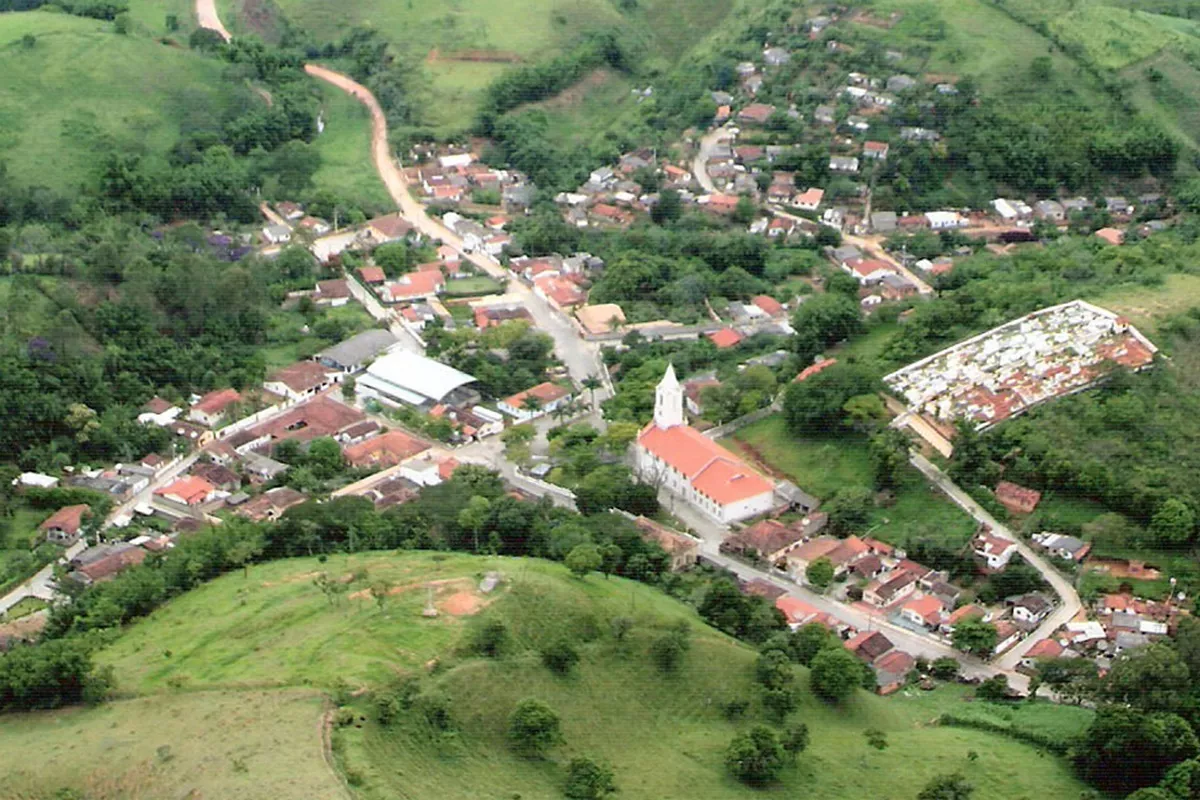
x=417 y=374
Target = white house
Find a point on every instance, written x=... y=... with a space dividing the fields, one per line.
x=714 y=480
x=277 y=234
x=547 y=397
x=945 y=220
x=994 y=551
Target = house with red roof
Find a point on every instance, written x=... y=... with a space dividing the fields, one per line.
x=892 y=671
x=809 y=199
x=371 y=275
x=1044 y=650
x=796 y=610
x=546 y=397
x=769 y=305
x=386 y=450
x=926 y=611
x=211 y=408
x=416 y=285
x=869 y=270
x=993 y=552
x=63 y=526
x=563 y=293
x=756 y=114
x=869 y=645
x=300 y=380
x=725 y=338
x=672 y=455
x=877 y=151
x=189 y=490
x=332 y=293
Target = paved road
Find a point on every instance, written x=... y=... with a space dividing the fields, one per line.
x=907 y=640
x=872 y=246
x=381 y=314
x=41 y=585
x=707 y=143
x=1069 y=603
x=580 y=357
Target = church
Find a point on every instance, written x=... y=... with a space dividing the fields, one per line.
x=672 y=454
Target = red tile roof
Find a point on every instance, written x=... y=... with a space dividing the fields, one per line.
x=928 y=608
x=190 y=489
x=813 y=369
x=372 y=274
x=301 y=377
x=796 y=610
x=545 y=393
x=385 y=450
x=68 y=519
x=712 y=470
x=311 y=419
x=726 y=337
x=333 y=290
x=417 y=284
x=769 y=305
x=563 y=292
x=216 y=402
x=392 y=226
x=1016 y=498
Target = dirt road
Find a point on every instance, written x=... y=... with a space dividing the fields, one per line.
x=206 y=15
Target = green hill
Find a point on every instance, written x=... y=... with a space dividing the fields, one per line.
x=77 y=91
x=664 y=735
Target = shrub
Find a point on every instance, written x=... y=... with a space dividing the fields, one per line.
x=588 y=780
x=533 y=728
x=560 y=656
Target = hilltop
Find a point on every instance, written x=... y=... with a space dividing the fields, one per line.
x=196 y=673
x=73 y=90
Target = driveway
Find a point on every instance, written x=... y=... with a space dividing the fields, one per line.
x=708 y=143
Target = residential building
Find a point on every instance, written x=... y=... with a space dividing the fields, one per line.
x=211 y=409
x=683 y=549
x=1068 y=548
x=218 y=476
x=332 y=293
x=755 y=114
x=900 y=83
x=1049 y=210
x=277 y=234
x=869 y=271
x=843 y=164
x=869 y=645
x=797 y=612
x=926 y=611
x=385 y=450
x=1030 y=609
x=63 y=526
x=767 y=539
x=725 y=338
x=885 y=591
x=300 y=380
x=809 y=199
x=994 y=552
x=271 y=504
x=104 y=561
x=892 y=671
x=388 y=228
x=945 y=220
x=189 y=491
x=355 y=353
x=318 y=417
x=415 y=286
x=875 y=151
x=372 y=275
x=546 y=398
x=1017 y=499
x=883 y=221
x=714 y=480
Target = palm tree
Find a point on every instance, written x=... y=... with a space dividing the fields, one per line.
x=592 y=383
x=531 y=403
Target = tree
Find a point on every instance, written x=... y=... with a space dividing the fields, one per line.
x=795 y=739
x=1173 y=524
x=667 y=650
x=811 y=639
x=1145 y=744
x=122 y=24
x=349 y=388
x=945 y=668
x=835 y=674
x=876 y=738
x=490 y=639
x=994 y=689
x=865 y=412
x=755 y=756
x=947 y=787
x=533 y=728
x=583 y=558
x=560 y=656
x=591 y=383
x=743 y=211
x=816 y=405
x=849 y=509
x=827 y=318
x=1182 y=781
x=889 y=457
x=474 y=517
x=1153 y=678
x=588 y=779
x=975 y=636
x=819 y=573
x=668 y=208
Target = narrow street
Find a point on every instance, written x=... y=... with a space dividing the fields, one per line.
x=707 y=144
x=872 y=247
x=1069 y=604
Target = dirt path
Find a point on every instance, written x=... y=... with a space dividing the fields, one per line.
x=206 y=15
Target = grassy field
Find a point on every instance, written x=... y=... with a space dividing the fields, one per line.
x=473 y=287
x=823 y=465
x=1144 y=305
x=23 y=608
x=82 y=91
x=345 y=147
x=249 y=745
x=207 y=659
x=287 y=343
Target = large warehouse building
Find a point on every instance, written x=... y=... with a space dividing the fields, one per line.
x=402 y=377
